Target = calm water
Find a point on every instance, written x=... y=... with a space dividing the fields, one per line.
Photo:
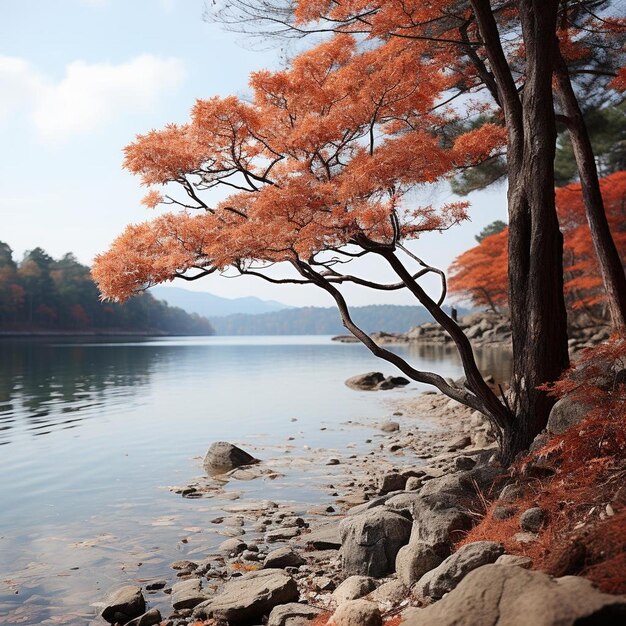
x=93 y=433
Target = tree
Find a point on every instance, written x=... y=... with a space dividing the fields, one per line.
x=480 y=274
x=325 y=153
x=491 y=229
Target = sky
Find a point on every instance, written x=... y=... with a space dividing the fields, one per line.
x=80 y=78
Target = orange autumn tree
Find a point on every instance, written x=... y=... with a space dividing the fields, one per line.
x=479 y=274
x=317 y=167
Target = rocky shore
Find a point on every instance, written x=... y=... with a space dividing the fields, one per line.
x=483 y=329
x=386 y=548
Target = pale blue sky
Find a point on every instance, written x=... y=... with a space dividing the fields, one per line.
x=79 y=78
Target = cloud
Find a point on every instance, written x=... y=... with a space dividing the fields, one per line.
x=89 y=96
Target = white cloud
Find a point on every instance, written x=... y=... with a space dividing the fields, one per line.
x=89 y=96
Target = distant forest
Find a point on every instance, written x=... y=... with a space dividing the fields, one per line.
x=323 y=321
x=42 y=294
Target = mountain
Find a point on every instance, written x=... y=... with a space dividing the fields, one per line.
x=208 y=305
x=323 y=321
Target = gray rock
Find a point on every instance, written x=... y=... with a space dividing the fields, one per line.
x=292 y=614
x=357 y=613
x=459 y=443
x=250 y=596
x=370 y=541
x=512 y=596
x=510 y=493
x=414 y=560
x=353 y=587
x=413 y=483
x=365 y=381
x=390 y=427
x=124 y=604
x=464 y=463
x=393 y=591
x=222 y=457
x=232 y=546
x=281 y=534
x=565 y=414
x=283 y=557
x=503 y=512
x=150 y=618
x=391 y=481
x=516 y=560
x=187 y=594
x=449 y=574
x=325 y=537
x=532 y=520
x=438 y=521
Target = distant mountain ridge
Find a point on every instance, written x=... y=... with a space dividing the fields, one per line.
x=323 y=321
x=211 y=306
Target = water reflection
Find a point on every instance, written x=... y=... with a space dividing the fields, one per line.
x=491 y=360
x=45 y=386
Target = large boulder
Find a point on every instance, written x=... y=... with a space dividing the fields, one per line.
x=445 y=577
x=283 y=557
x=250 y=596
x=370 y=541
x=414 y=560
x=222 y=457
x=565 y=414
x=123 y=605
x=365 y=381
x=512 y=596
x=438 y=521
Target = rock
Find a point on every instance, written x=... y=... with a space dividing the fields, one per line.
x=332 y=461
x=390 y=427
x=150 y=618
x=516 y=560
x=413 y=483
x=124 y=604
x=250 y=596
x=532 y=519
x=323 y=538
x=512 y=596
x=438 y=521
x=414 y=560
x=281 y=534
x=370 y=541
x=503 y=512
x=449 y=574
x=292 y=614
x=510 y=493
x=283 y=557
x=392 y=592
x=459 y=443
x=539 y=441
x=391 y=382
x=187 y=594
x=155 y=585
x=464 y=463
x=357 y=613
x=525 y=538
x=365 y=381
x=352 y=588
x=222 y=457
x=391 y=481
x=233 y=546
x=565 y=414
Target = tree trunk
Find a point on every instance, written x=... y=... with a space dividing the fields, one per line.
x=537 y=305
x=608 y=257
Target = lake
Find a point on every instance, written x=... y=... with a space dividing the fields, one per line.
x=92 y=433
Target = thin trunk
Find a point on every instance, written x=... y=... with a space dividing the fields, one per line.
x=608 y=257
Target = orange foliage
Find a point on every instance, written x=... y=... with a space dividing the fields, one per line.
x=321 y=158
x=481 y=272
x=584 y=494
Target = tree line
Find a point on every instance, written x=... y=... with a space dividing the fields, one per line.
x=43 y=294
